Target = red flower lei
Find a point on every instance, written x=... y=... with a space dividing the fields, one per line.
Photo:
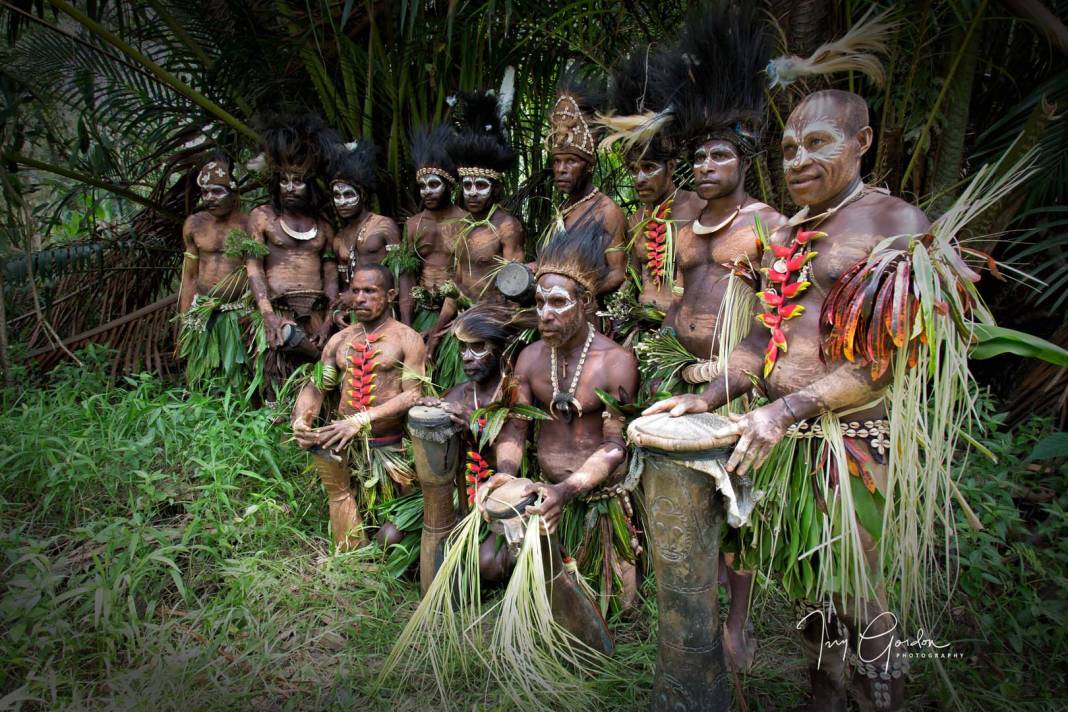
x=477 y=470
x=361 y=375
x=657 y=242
x=787 y=278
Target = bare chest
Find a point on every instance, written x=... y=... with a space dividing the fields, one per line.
x=277 y=236
x=735 y=244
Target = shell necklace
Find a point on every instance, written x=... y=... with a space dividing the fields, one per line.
x=297 y=234
x=566 y=404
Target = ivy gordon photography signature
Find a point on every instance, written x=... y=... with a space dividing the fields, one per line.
x=915 y=647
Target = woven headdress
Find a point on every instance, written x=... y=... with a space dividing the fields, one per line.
x=719 y=57
x=639 y=105
x=217 y=171
x=480 y=147
x=577 y=252
x=354 y=163
x=572 y=127
x=430 y=152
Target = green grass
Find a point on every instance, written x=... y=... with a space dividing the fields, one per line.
x=170 y=551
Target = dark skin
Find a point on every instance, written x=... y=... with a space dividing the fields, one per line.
x=573 y=176
x=478 y=252
x=369 y=234
x=204 y=234
x=292 y=264
x=433 y=233
x=400 y=352
x=579 y=456
x=853 y=231
x=702 y=260
x=654 y=183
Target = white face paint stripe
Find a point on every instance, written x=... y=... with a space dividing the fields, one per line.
x=556 y=291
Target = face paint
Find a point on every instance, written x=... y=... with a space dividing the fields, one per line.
x=717 y=169
x=346 y=199
x=218 y=199
x=652 y=180
x=479 y=361
x=432 y=190
x=293 y=189
x=555 y=302
x=478 y=192
x=820 y=159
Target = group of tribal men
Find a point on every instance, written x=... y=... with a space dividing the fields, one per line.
x=375 y=309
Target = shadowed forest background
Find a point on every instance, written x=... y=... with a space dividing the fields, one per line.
x=169 y=549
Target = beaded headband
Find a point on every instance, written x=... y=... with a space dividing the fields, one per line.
x=475 y=172
x=432 y=171
x=568 y=130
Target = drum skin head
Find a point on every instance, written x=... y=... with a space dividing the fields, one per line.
x=695 y=432
x=503 y=502
x=428 y=416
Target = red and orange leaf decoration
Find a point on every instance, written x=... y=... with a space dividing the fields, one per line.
x=359 y=393
x=870 y=312
x=476 y=472
x=657 y=233
x=786 y=283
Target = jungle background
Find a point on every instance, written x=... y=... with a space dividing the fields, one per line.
x=167 y=549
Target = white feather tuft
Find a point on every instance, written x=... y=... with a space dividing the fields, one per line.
x=506 y=95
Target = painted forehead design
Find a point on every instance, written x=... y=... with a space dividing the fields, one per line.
x=555 y=291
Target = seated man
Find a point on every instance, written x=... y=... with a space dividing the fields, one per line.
x=487 y=334
x=378 y=362
x=580 y=449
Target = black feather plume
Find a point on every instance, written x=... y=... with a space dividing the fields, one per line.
x=480 y=140
x=714 y=75
x=577 y=252
x=356 y=166
x=430 y=148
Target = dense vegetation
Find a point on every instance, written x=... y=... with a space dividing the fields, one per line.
x=169 y=550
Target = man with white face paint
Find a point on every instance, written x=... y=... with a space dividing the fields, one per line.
x=581 y=454
x=289 y=281
x=432 y=231
x=364 y=237
x=485 y=234
x=823 y=142
x=213 y=298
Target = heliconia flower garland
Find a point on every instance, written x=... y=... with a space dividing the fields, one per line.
x=657 y=231
x=361 y=374
x=477 y=470
x=790 y=260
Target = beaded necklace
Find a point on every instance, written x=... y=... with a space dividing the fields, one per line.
x=566 y=404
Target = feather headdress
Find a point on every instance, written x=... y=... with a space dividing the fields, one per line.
x=639 y=106
x=302 y=145
x=354 y=163
x=571 y=121
x=480 y=146
x=577 y=252
x=719 y=56
x=856 y=50
x=430 y=152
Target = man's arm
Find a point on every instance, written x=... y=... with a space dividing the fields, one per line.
x=747 y=358
x=190 y=268
x=616 y=253
x=257 y=279
x=310 y=400
x=622 y=370
x=510 y=443
x=329 y=262
x=512 y=241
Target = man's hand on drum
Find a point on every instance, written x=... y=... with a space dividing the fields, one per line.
x=758 y=432
x=486 y=488
x=678 y=405
x=459 y=413
x=553 y=499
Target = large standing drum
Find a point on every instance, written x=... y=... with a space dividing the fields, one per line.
x=572 y=608
x=686 y=518
x=438 y=450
